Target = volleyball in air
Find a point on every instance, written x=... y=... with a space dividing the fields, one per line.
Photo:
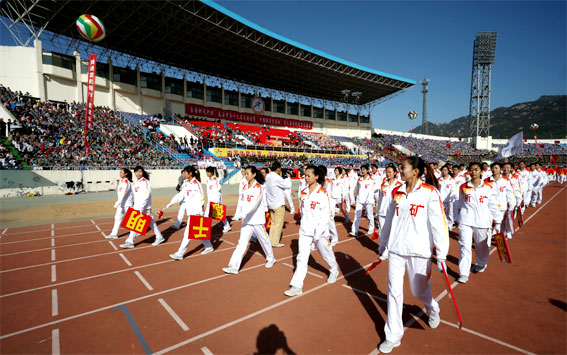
x=412 y=115
x=91 y=28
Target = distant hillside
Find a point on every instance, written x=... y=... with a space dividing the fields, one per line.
x=549 y=112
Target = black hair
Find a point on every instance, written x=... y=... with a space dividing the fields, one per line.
x=448 y=168
x=212 y=170
x=473 y=163
x=339 y=169
x=265 y=170
x=275 y=166
x=461 y=166
x=390 y=166
x=374 y=166
x=258 y=176
x=323 y=169
x=194 y=172
x=318 y=172
x=424 y=169
x=365 y=166
x=495 y=164
x=128 y=174
x=509 y=163
x=145 y=174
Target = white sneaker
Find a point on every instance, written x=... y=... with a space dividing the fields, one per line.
x=332 y=277
x=292 y=212
x=434 y=322
x=312 y=246
x=481 y=268
x=387 y=346
x=225 y=229
x=111 y=237
x=158 y=241
x=174 y=227
x=270 y=263
x=175 y=257
x=352 y=233
x=293 y=291
x=463 y=279
x=230 y=270
x=370 y=233
x=207 y=251
x=334 y=242
x=127 y=246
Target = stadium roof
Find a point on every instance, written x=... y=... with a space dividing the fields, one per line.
x=204 y=37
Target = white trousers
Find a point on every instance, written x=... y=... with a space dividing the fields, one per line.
x=118 y=217
x=527 y=198
x=342 y=207
x=153 y=226
x=448 y=207
x=418 y=271
x=456 y=211
x=482 y=240
x=381 y=220
x=185 y=241
x=369 y=208
x=180 y=215
x=333 y=228
x=246 y=233
x=536 y=195
x=508 y=225
x=304 y=245
x=351 y=191
x=289 y=200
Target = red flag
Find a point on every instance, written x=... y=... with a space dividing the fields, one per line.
x=200 y=227
x=502 y=248
x=217 y=211
x=136 y=221
x=371 y=267
x=90 y=96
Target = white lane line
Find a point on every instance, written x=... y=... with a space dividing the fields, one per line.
x=4 y=231
x=252 y=315
x=309 y=272
x=173 y=315
x=45 y=230
x=52 y=233
x=93 y=222
x=55 y=349
x=54 y=303
x=112 y=244
x=52 y=242
x=488 y=338
x=144 y=281
x=43 y=238
x=206 y=351
x=52 y=246
x=125 y=260
x=365 y=293
x=4 y=336
x=52 y=226
x=52 y=255
x=53 y=273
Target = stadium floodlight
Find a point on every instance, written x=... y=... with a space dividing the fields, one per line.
x=485 y=47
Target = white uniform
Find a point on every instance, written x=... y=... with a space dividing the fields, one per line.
x=364 y=200
x=353 y=178
x=214 y=195
x=194 y=199
x=526 y=187
x=477 y=206
x=338 y=194
x=346 y=199
x=142 y=192
x=508 y=227
x=178 y=198
x=334 y=234
x=125 y=200
x=315 y=216
x=539 y=178
x=385 y=200
x=287 y=193
x=378 y=179
x=448 y=192
x=506 y=200
x=459 y=180
x=302 y=185
x=252 y=210
x=414 y=224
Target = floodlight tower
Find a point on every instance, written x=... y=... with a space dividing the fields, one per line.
x=425 y=89
x=484 y=49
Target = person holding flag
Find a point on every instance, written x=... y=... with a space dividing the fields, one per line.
x=505 y=193
x=251 y=209
x=525 y=184
x=364 y=201
x=507 y=169
x=142 y=192
x=339 y=192
x=125 y=200
x=539 y=178
x=214 y=194
x=414 y=224
x=194 y=198
x=328 y=186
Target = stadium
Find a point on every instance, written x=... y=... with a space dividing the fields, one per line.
x=191 y=86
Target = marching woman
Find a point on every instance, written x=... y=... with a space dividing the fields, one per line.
x=505 y=193
x=346 y=200
x=478 y=203
x=142 y=192
x=214 y=193
x=125 y=200
x=459 y=180
x=364 y=200
x=287 y=193
x=414 y=224
x=252 y=210
x=328 y=186
x=338 y=192
x=181 y=213
x=314 y=228
x=390 y=183
x=194 y=198
x=448 y=191
x=508 y=172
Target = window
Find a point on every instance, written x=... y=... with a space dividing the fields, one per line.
x=293 y=108
x=231 y=98
x=150 y=81
x=214 y=94
x=124 y=75
x=317 y=112
x=267 y=103
x=330 y=115
x=245 y=100
x=58 y=60
x=194 y=90
x=174 y=86
x=306 y=110
x=101 y=69
x=279 y=106
x=342 y=116
x=364 y=119
x=353 y=118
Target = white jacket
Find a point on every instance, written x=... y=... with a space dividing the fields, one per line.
x=302 y=185
x=517 y=186
x=251 y=205
x=386 y=196
x=415 y=223
x=192 y=196
x=539 y=179
x=365 y=191
x=124 y=192
x=275 y=186
x=142 y=192
x=315 y=213
x=214 y=190
x=447 y=189
x=243 y=182
x=338 y=189
x=459 y=180
x=477 y=205
x=524 y=179
x=506 y=196
x=353 y=178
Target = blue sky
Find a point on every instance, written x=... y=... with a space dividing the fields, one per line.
x=417 y=39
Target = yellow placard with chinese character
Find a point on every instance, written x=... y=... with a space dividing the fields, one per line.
x=217 y=211
x=136 y=221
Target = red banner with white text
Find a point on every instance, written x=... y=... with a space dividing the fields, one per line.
x=211 y=112
x=90 y=96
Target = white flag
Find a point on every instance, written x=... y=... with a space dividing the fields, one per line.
x=514 y=146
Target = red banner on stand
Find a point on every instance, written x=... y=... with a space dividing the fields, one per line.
x=243 y=117
x=90 y=96
x=502 y=248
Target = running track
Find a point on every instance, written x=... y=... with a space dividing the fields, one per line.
x=65 y=289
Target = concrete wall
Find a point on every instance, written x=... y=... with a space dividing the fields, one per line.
x=18 y=70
